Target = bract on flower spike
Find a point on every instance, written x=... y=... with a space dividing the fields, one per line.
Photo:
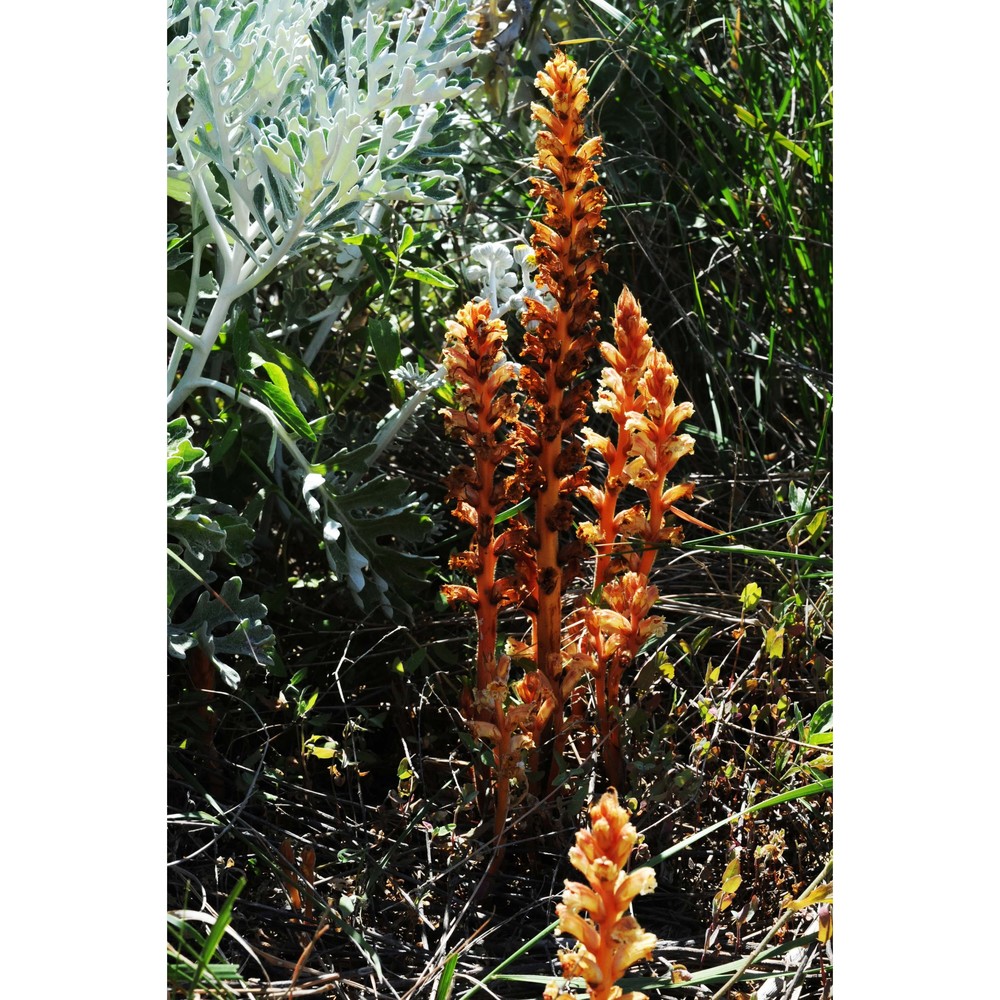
x=596 y=914
x=483 y=417
x=558 y=342
x=637 y=392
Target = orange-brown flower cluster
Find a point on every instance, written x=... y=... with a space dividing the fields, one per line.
x=525 y=441
x=484 y=418
x=657 y=447
x=610 y=940
x=637 y=392
x=558 y=341
x=481 y=376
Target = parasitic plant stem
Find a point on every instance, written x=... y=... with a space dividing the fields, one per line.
x=596 y=914
x=485 y=410
x=637 y=391
x=558 y=342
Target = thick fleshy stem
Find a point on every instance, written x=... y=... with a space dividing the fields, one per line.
x=610 y=939
x=637 y=391
x=482 y=377
x=558 y=341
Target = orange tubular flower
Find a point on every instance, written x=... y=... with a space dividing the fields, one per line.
x=610 y=941
x=637 y=391
x=475 y=367
x=557 y=344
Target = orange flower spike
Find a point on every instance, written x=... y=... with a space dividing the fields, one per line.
x=624 y=622
x=610 y=941
x=656 y=449
x=559 y=338
x=474 y=365
x=618 y=395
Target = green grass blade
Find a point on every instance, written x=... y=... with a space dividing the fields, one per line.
x=447 y=975
x=495 y=973
x=218 y=929
x=612 y=12
x=746 y=550
x=513 y=511
x=816 y=788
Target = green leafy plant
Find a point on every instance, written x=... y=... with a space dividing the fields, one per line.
x=290 y=132
x=223 y=624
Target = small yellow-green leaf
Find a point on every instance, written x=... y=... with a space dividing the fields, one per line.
x=817 y=524
x=430 y=276
x=750 y=595
x=406 y=238
x=665 y=667
x=821 y=894
x=774 y=643
x=732 y=884
x=179 y=188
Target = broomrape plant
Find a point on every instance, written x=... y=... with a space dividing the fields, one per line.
x=523 y=426
x=596 y=914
